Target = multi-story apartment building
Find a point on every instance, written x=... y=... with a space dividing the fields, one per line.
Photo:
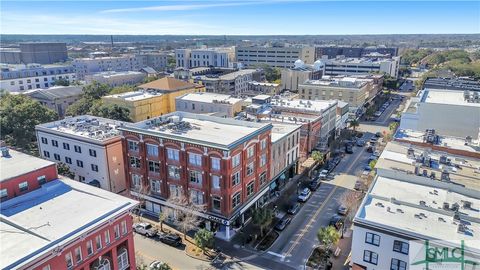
x=232 y=83
x=209 y=103
x=116 y=78
x=87 y=66
x=154 y=98
x=90 y=146
x=300 y=73
x=462 y=84
x=356 y=91
x=19 y=78
x=157 y=61
x=405 y=213
x=361 y=66
x=219 y=163
x=285 y=152
x=193 y=58
x=258 y=88
x=35 y=52
x=353 y=52
x=281 y=57
x=57 y=98
x=51 y=223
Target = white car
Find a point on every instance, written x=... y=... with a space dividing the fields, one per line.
x=155 y=265
x=378 y=113
x=305 y=195
x=323 y=174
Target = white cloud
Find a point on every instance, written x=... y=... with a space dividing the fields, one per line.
x=181 y=7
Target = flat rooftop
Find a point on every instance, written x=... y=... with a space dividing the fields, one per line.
x=135 y=95
x=361 y=60
x=448 y=97
x=223 y=133
x=113 y=74
x=303 y=104
x=281 y=130
x=53 y=215
x=462 y=170
x=344 y=82
x=422 y=209
x=84 y=126
x=207 y=97
x=19 y=163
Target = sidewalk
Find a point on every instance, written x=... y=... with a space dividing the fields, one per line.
x=345 y=245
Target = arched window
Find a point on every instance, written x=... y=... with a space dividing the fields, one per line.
x=103 y=264
x=122 y=259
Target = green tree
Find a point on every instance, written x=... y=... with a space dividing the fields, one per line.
x=61 y=82
x=161 y=218
x=150 y=79
x=122 y=89
x=354 y=124
x=64 y=170
x=80 y=107
x=95 y=90
x=372 y=164
x=393 y=126
x=262 y=217
x=328 y=236
x=111 y=111
x=162 y=266
x=204 y=239
x=271 y=73
x=19 y=115
x=317 y=156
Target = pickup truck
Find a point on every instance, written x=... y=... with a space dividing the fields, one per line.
x=145 y=228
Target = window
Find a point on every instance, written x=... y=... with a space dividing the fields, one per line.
x=154 y=166
x=250 y=168
x=134 y=162
x=122 y=259
x=263 y=144
x=98 y=241
x=215 y=182
x=215 y=164
x=401 y=247
x=136 y=181
x=66 y=146
x=92 y=152
x=250 y=151
x=68 y=160
x=263 y=178
x=155 y=186
x=235 y=178
x=194 y=159
x=263 y=160
x=69 y=260
x=173 y=154
x=77 y=148
x=124 y=227
x=23 y=186
x=152 y=150
x=41 y=180
x=89 y=248
x=55 y=143
x=94 y=167
x=236 y=200
x=398 y=265
x=81 y=178
x=175 y=191
x=250 y=188
x=196 y=197
x=216 y=203
x=56 y=157
x=235 y=160
x=46 y=154
x=370 y=257
x=372 y=238
x=44 y=140
x=80 y=163
x=106 y=235
x=46 y=267
x=78 y=254
x=132 y=146
x=116 y=230
x=173 y=172
x=3 y=193
x=196 y=177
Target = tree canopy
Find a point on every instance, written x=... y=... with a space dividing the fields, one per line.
x=328 y=236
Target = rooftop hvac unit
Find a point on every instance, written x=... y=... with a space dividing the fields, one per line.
x=411 y=152
x=445 y=176
x=446 y=206
x=467 y=205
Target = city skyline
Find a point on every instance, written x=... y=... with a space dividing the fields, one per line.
x=276 y=17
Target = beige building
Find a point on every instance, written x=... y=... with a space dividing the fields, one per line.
x=210 y=103
x=154 y=98
x=301 y=73
x=281 y=57
x=356 y=91
x=57 y=98
x=258 y=88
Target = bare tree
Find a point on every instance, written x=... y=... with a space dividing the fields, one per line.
x=141 y=193
x=186 y=213
x=351 y=200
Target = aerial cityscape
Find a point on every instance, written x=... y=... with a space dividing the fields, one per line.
x=255 y=134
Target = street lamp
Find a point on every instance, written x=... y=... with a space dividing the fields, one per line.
x=298 y=187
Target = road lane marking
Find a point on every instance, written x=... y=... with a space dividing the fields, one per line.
x=297 y=241
x=276 y=254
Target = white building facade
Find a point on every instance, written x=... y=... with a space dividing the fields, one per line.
x=114 y=78
x=193 y=58
x=281 y=57
x=361 y=66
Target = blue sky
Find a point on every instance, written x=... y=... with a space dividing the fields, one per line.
x=239 y=17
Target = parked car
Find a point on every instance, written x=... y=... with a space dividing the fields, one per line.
x=376 y=153
x=377 y=113
x=370 y=149
x=293 y=209
x=282 y=223
x=305 y=195
x=348 y=149
x=336 y=221
x=145 y=228
x=360 y=143
x=371 y=158
x=358 y=185
x=367 y=168
x=156 y=265
x=170 y=239
x=323 y=174
x=378 y=134
x=314 y=184
x=342 y=210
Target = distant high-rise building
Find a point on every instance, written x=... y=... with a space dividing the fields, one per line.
x=353 y=52
x=35 y=52
x=281 y=57
x=188 y=58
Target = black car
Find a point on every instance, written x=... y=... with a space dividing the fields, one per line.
x=282 y=223
x=378 y=134
x=349 y=148
x=293 y=209
x=170 y=239
x=336 y=221
x=314 y=184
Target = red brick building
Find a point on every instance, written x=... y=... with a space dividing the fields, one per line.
x=222 y=164
x=49 y=223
